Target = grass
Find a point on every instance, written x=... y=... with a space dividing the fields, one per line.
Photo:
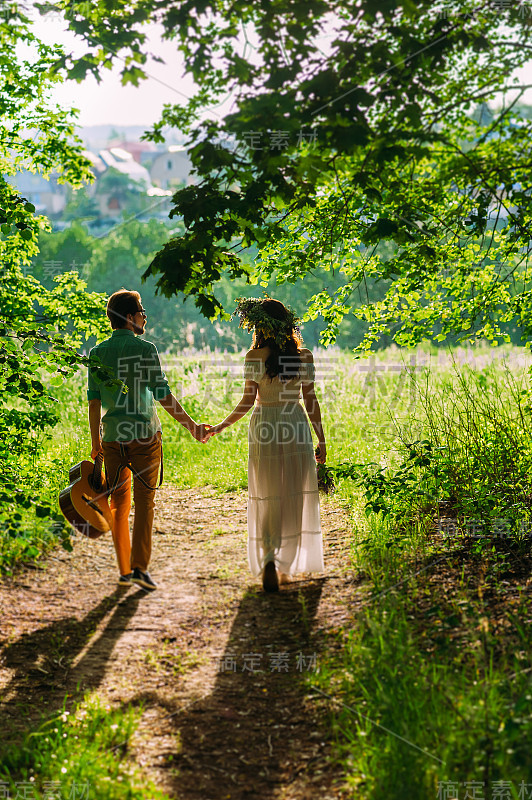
x=80 y=754
x=170 y=658
x=427 y=693
x=410 y=722
x=430 y=692
x=431 y=686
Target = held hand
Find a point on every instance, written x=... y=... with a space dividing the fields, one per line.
x=321 y=453
x=213 y=431
x=96 y=449
x=201 y=433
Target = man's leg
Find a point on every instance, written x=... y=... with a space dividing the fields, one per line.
x=120 y=505
x=145 y=460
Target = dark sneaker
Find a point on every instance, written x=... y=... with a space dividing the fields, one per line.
x=143 y=579
x=125 y=580
x=270 y=579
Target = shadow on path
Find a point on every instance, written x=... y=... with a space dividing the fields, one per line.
x=42 y=661
x=253 y=734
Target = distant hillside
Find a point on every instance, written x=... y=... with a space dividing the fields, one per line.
x=96 y=137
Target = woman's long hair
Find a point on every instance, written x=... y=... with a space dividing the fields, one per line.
x=286 y=361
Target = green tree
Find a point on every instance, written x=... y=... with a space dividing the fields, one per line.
x=119 y=259
x=41 y=328
x=372 y=105
x=80 y=206
x=62 y=251
x=122 y=192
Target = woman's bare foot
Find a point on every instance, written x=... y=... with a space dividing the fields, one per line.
x=284 y=578
x=270 y=580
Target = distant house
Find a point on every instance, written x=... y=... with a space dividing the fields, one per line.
x=124 y=162
x=48 y=196
x=110 y=203
x=171 y=168
x=141 y=151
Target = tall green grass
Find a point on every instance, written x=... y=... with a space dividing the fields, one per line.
x=413 y=718
x=464 y=449
x=426 y=698
x=78 y=754
x=480 y=427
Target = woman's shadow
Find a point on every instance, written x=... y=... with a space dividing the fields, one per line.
x=42 y=664
x=248 y=737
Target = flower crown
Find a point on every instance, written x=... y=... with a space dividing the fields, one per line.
x=253 y=316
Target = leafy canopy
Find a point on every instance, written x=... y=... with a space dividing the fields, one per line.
x=352 y=126
x=40 y=328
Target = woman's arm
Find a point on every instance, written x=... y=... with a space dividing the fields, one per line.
x=314 y=414
x=176 y=410
x=247 y=401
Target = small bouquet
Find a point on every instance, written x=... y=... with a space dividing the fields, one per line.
x=325 y=479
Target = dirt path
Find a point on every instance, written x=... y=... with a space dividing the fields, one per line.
x=219 y=665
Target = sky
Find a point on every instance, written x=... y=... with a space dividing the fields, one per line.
x=108 y=102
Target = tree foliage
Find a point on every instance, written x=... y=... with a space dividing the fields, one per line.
x=117 y=259
x=373 y=104
x=40 y=328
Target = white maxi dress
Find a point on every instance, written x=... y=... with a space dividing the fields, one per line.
x=283 y=498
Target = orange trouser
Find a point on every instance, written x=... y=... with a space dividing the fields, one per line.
x=144 y=457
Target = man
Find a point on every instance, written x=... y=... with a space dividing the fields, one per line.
x=131 y=440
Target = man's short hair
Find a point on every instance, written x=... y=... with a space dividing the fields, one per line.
x=120 y=304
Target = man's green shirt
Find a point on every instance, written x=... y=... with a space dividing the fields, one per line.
x=127 y=415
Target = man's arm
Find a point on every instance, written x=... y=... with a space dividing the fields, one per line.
x=95 y=414
x=176 y=410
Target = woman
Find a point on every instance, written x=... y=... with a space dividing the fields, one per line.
x=284 y=530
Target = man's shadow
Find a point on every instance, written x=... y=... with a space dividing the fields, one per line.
x=244 y=739
x=42 y=664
